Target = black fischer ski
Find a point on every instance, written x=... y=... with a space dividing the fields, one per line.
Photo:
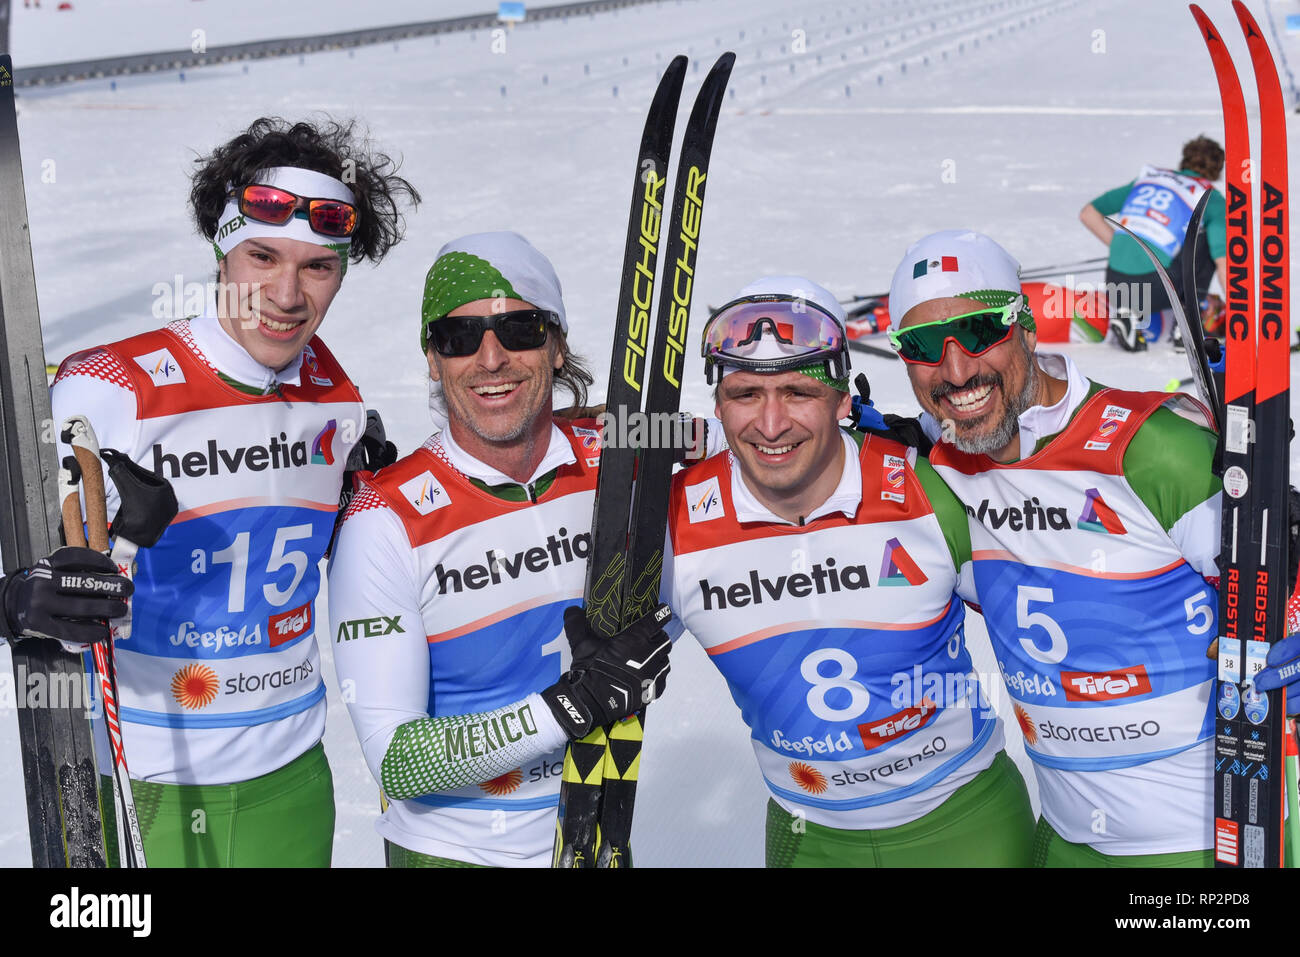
x=631 y=513
x=50 y=687
x=1248 y=782
x=580 y=787
x=649 y=519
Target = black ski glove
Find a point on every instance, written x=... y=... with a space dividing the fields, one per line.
x=371 y=454
x=68 y=597
x=611 y=677
x=904 y=429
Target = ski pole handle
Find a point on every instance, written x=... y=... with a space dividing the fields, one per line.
x=85 y=449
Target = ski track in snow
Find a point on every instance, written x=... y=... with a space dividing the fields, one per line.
x=894 y=121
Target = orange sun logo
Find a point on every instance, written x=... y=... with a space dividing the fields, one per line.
x=1026 y=725
x=808 y=778
x=194 y=686
x=504 y=784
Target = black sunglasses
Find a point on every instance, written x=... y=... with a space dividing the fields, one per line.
x=518 y=331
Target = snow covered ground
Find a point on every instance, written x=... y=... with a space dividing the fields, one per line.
x=853 y=128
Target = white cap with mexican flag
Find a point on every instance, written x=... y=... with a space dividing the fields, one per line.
x=952 y=263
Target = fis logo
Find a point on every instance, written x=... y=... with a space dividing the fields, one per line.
x=898 y=568
x=309 y=359
x=807 y=777
x=194 y=686
x=1105 y=685
x=704 y=501
x=892 y=472
x=1097 y=516
x=161 y=368
x=1111 y=418
x=908 y=720
x=288 y=625
x=322 y=447
x=425 y=493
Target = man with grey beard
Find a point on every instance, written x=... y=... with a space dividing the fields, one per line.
x=1094 y=531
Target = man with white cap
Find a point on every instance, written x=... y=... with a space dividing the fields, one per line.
x=818 y=567
x=458 y=575
x=1094 y=525
x=253 y=421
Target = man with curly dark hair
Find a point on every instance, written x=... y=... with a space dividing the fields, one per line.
x=254 y=422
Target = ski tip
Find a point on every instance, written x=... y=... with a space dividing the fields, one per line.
x=1204 y=22
x=1247 y=20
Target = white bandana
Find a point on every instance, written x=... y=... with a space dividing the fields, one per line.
x=234 y=227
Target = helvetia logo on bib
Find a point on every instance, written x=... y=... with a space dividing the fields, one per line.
x=1097 y=516
x=322 y=447
x=898 y=568
x=808 y=777
x=504 y=783
x=195 y=686
x=425 y=493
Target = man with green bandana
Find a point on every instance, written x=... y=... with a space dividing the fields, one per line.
x=1094 y=531
x=255 y=424
x=818 y=569
x=457 y=578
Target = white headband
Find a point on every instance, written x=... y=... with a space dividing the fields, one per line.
x=234 y=227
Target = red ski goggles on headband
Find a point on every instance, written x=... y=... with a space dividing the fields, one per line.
x=974 y=332
x=276 y=206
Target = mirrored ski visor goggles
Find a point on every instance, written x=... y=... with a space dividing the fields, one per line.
x=517 y=331
x=772 y=334
x=974 y=332
x=276 y=206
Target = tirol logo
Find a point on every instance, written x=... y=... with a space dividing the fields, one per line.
x=807 y=777
x=1097 y=516
x=504 y=783
x=194 y=686
x=898 y=568
x=893 y=471
x=322 y=447
x=425 y=493
x=1026 y=725
x=278 y=453
x=704 y=501
x=1105 y=685
x=161 y=368
x=288 y=625
x=909 y=719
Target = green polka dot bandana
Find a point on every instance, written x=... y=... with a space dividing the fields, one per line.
x=998 y=298
x=818 y=371
x=455 y=279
